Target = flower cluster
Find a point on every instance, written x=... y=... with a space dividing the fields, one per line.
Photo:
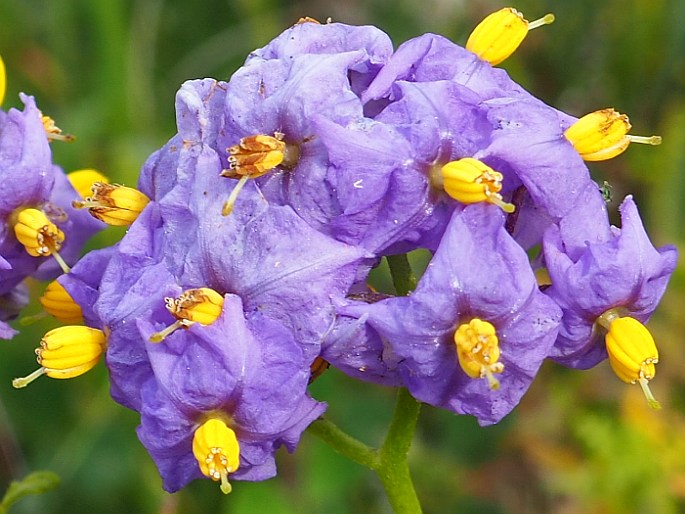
x=254 y=228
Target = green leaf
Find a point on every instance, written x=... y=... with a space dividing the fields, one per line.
x=38 y=482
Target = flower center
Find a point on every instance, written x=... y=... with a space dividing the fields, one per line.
x=500 y=34
x=478 y=350
x=217 y=451
x=469 y=181
x=114 y=204
x=632 y=351
x=255 y=156
x=202 y=305
x=39 y=236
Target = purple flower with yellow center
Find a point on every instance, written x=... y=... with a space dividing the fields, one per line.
x=28 y=177
x=278 y=265
x=310 y=71
x=221 y=406
x=38 y=220
x=618 y=275
x=438 y=145
x=473 y=334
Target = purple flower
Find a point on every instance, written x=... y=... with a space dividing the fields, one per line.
x=30 y=180
x=615 y=269
x=276 y=263
x=27 y=178
x=256 y=378
x=478 y=274
x=387 y=170
x=311 y=71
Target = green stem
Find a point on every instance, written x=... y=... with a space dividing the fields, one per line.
x=402 y=275
x=394 y=469
x=390 y=461
x=343 y=443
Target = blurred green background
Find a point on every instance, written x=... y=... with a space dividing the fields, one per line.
x=580 y=442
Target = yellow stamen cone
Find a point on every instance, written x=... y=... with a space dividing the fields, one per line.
x=58 y=303
x=217 y=451
x=114 y=204
x=632 y=351
x=3 y=80
x=53 y=132
x=253 y=157
x=603 y=134
x=39 y=236
x=67 y=352
x=478 y=350
x=500 y=34
x=202 y=305
x=471 y=181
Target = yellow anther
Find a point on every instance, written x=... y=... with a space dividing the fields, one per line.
x=217 y=451
x=82 y=180
x=253 y=157
x=3 y=80
x=39 y=235
x=202 y=305
x=471 y=181
x=603 y=134
x=307 y=19
x=53 y=132
x=478 y=350
x=114 y=204
x=632 y=351
x=58 y=303
x=317 y=368
x=500 y=34
x=67 y=352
